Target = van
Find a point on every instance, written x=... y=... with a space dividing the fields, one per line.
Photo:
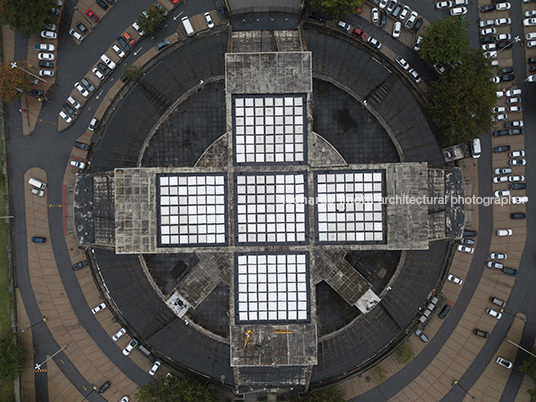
x=476 y=149
x=37 y=183
x=188 y=26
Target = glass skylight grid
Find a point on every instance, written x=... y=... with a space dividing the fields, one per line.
x=272 y=287
x=271 y=208
x=270 y=129
x=192 y=209
x=350 y=207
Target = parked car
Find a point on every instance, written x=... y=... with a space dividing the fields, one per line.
x=516 y=154
x=69 y=109
x=81 y=27
x=344 y=25
x=495 y=265
x=517 y=186
x=513 y=92
x=397 y=27
x=103 y=387
x=501 y=361
x=98 y=308
x=374 y=42
x=488 y=31
x=518 y=215
x=501 y=148
x=45 y=47
x=467 y=241
x=208 y=18
x=455 y=12
x=39 y=239
x=46 y=56
x=503 y=21
x=504 y=232
x=119 y=334
x=74 y=103
x=487 y=8
x=375 y=15
x=76 y=35
x=513 y=123
x=79 y=265
x=465 y=249
x=87 y=84
x=517 y=162
x=102 y=4
x=82 y=145
x=470 y=233
x=45 y=64
x=454 y=279
x=510 y=271
x=83 y=91
x=359 y=33
x=418 y=24
x=163 y=44
x=383 y=20
x=500 y=179
x=38 y=192
x=422 y=336
x=98 y=73
x=411 y=20
x=444 y=311
x=443 y=4
x=498 y=302
x=503 y=6
x=93 y=124
x=92 y=15
x=108 y=61
x=480 y=333
x=403 y=13
x=131 y=345
x=493 y=313
x=68 y=119
x=519 y=200
x=529 y=22
x=402 y=62
x=506 y=170
x=48 y=35
x=155 y=367
x=118 y=51
x=498 y=256
x=415 y=75
x=104 y=68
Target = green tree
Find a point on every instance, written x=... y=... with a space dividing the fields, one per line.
x=404 y=353
x=11 y=358
x=336 y=8
x=445 y=41
x=172 y=388
x=330 y=394
x=149 y=20
x=13 y=82
x=132 y=71
x=26 y=17
x=462 y=99
x=529 y=368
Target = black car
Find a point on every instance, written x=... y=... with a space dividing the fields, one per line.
x=383 y=21
x=70 y=110
x=531 y=60
x=79 y=265
x=162 y=45
x=317 y=16
x=102 y=4
x=516 y=131
x=104 y=68
x=487 y=8
x=532 y=68
x=517 y=186
x=480 y=333
x=123 y=78
x=470 y=233
x=81 y=27
x=487 y=39
x=45 y=64
x=506 y=70
x=161 y=8
x=444 y=311
x=501 y=148
x=510 y=271
x=518 y=215
x=418 y=24
x=504 y=45
x=123 y=43
x=89 y=86
x=83 y=146
x=39 y=239
x=110 y=2
x=499 y=133
x=103 y=387
x=36 y=93
x=508 y=77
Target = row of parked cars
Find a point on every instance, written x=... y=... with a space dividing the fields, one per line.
x=46 y=56
x=398 y=11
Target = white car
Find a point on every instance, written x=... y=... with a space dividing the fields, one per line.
x=76 y=35
x=403 y=13
x=402 y=62
x=501 y=361
x=397 y=26
x=530 y=36
x=344 y=25
x=443 y=4
x=531 y=78
x=45 y=47
x=81 y=165
x=375 y=14
x=500 y=179
x=504 y=36
x=498 y=256
x=458 y=11
x=528 y=22
x=137 y=28
x=83 y=91
x=125 y=399
x=519 y=199
x=488 y=31
x=464 y=249
x=210 y=23
x=108 y=62
x=513 y=92
x=491 y=54
x=46 y=56
x=504 y=232
x=531 y=43
x=495 y=265
x=516 y=178
x=499 y=117
x=486 y=23
x=498 y=109
x=494 y=314
x=374 y=42
x=503 y=6
x=515 y=108
x=489 y=46
x=415 y=75
x=499 y=94
x=48 y=35
x=515 y=99
x=131 y=345
x=65 y=117
x=98 y=73
x=412 y=17
x=517 y=162
x=155 y=367
x=119 y=334
x=46 y=73
x=516 y=154
x=118 y=51
x=38 y=191
x=417 y=45
x=503 y=21
x=383 y=4
x=530 y=13
x=454 y=279
x=100 y=307
x=514 y=123
x=502 y=193
x=74 y=102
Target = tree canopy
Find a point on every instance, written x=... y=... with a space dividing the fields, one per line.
x=336 y=8
x=529 y=368
x=11 y=358
x=150 y=19
x=13 y=82
x=462 y=99
x=445 y=41
x=330 y=394
x=26 y=17
x=172 y=388
x=132 y=71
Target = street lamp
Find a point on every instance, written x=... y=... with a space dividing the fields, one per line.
x=521 y=347
x=456 y=382
x=516 y=39
x=38 y=365
x=33 y=325
x=14 y=65
x=513 y=315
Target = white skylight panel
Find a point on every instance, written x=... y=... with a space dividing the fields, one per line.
x=272 y=287
x=270 y=129
x=270 y=208
x=192 y=210
x=349 y=207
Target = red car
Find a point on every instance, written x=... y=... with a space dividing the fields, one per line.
x=92 y=15
x=174 y=1
x=358 y=32
x=129 y=38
